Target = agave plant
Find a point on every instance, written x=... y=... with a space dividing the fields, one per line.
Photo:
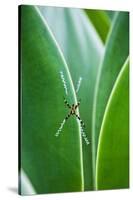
x=94 y=45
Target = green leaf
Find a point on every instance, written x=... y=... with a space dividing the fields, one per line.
x=113 y=148
x=110 y=14
x=117 y=50
x=53 y=164
x=83 y=50
x=101 y=22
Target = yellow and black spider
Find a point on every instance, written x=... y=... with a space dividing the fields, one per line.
x=73 y=108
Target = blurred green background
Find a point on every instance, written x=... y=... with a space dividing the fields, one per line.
x=94 y=45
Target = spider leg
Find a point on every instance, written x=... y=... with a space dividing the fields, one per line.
x=66 y=118
x=81 y=121
x=82 y=130
x=66 y=103
x=77 y=105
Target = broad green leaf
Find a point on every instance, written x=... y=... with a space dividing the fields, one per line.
x=101 y=22
x=113 y=148
x=110 y=14
x=117 y=50
x=25 y=185
x=83 y=49
x=53 y=164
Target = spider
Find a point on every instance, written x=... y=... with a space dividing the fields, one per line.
x=73 y=108
x=72 y=112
